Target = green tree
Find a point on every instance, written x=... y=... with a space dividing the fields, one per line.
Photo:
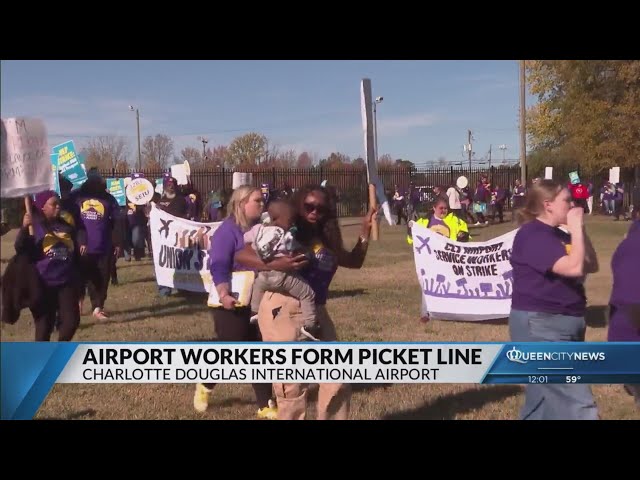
x=588 y=110
x=248 y=149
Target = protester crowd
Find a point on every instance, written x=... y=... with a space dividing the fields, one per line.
x=291 y=243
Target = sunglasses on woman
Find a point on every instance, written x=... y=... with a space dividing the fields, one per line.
x=312 y=207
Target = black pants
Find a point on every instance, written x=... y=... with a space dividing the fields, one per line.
x=64 y=301
x=400 y=214
x=234 y=326
x=114 y=270
x=96 y=270
x=618 y=210
x=498 y=209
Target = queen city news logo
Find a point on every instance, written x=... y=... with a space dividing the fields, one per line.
x=518 y=356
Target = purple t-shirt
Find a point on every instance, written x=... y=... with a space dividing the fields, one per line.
x=97 y=214
x=320 y=272
x=536 y=248
x=625 y=265
x=226 y=241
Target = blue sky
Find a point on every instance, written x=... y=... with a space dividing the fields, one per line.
x=309 y=106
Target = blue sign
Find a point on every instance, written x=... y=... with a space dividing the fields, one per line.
x=70 y=165
x=115 y=186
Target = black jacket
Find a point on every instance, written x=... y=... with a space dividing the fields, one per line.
x=21 y=287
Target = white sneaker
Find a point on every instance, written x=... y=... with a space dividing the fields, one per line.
x=308 y=335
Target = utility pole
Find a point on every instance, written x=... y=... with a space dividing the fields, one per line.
x=469 y=146
x=523 y=127
x=490 y=156
x=204 y=150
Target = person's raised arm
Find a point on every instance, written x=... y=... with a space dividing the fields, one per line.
x=573 y=264
x=355 y=258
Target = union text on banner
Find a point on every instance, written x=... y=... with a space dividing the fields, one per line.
x=181 y=251
x=463 y=281
x=25 y=161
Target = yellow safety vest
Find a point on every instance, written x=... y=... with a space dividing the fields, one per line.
x=454 y=224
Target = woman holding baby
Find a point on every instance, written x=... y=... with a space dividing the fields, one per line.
x=232 y=323
x=280 y=316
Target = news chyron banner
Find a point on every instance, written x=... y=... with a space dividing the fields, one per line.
x=29 y=370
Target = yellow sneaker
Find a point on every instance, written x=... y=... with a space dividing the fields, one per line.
x=270 y=412
x=201 y=398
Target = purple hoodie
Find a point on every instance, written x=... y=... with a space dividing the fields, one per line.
x=53 y=248
x=226 y=241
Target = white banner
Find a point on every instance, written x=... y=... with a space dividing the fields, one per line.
x=181 y=251
x=470 y=281
x=265 y=363
x=366 y=104
x=26 y=160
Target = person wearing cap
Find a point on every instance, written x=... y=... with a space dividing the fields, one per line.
x=98 y=213
x=54 y=249
x=174 y=203
x=172 y=200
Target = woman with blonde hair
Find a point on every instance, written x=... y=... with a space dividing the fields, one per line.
x=550 y=258
x=232 y=323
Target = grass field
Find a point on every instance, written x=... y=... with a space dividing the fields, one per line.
x=381 y=302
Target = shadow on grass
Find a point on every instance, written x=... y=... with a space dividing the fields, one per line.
x=346 y=293
x=145 y=313
x=447 y=407
x=89 y=412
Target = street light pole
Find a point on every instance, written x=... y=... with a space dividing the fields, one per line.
x=204 y=151
x=138 y=124
x=375 y=124
x=523 y=125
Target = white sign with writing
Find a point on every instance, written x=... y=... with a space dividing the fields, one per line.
x=26 y=160
x=140 y=191
x=469 y=281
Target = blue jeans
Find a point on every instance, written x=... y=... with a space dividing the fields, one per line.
x=552 y=401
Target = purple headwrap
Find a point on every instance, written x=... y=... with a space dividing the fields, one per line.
x=43 y=197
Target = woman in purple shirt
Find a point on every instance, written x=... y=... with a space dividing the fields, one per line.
x=624 y=305
x=231 y=323
x=548 y=302
x=54 y=249
x=280 y=317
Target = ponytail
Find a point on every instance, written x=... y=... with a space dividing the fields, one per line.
x=544 y=190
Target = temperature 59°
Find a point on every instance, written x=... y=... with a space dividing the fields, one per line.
x=573 y=378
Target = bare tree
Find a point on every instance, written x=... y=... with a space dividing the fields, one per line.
x=106 y=152
x=304 y=160
x=193 y=156
x=156 y=151
x=385 y=161
x=287 y=159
